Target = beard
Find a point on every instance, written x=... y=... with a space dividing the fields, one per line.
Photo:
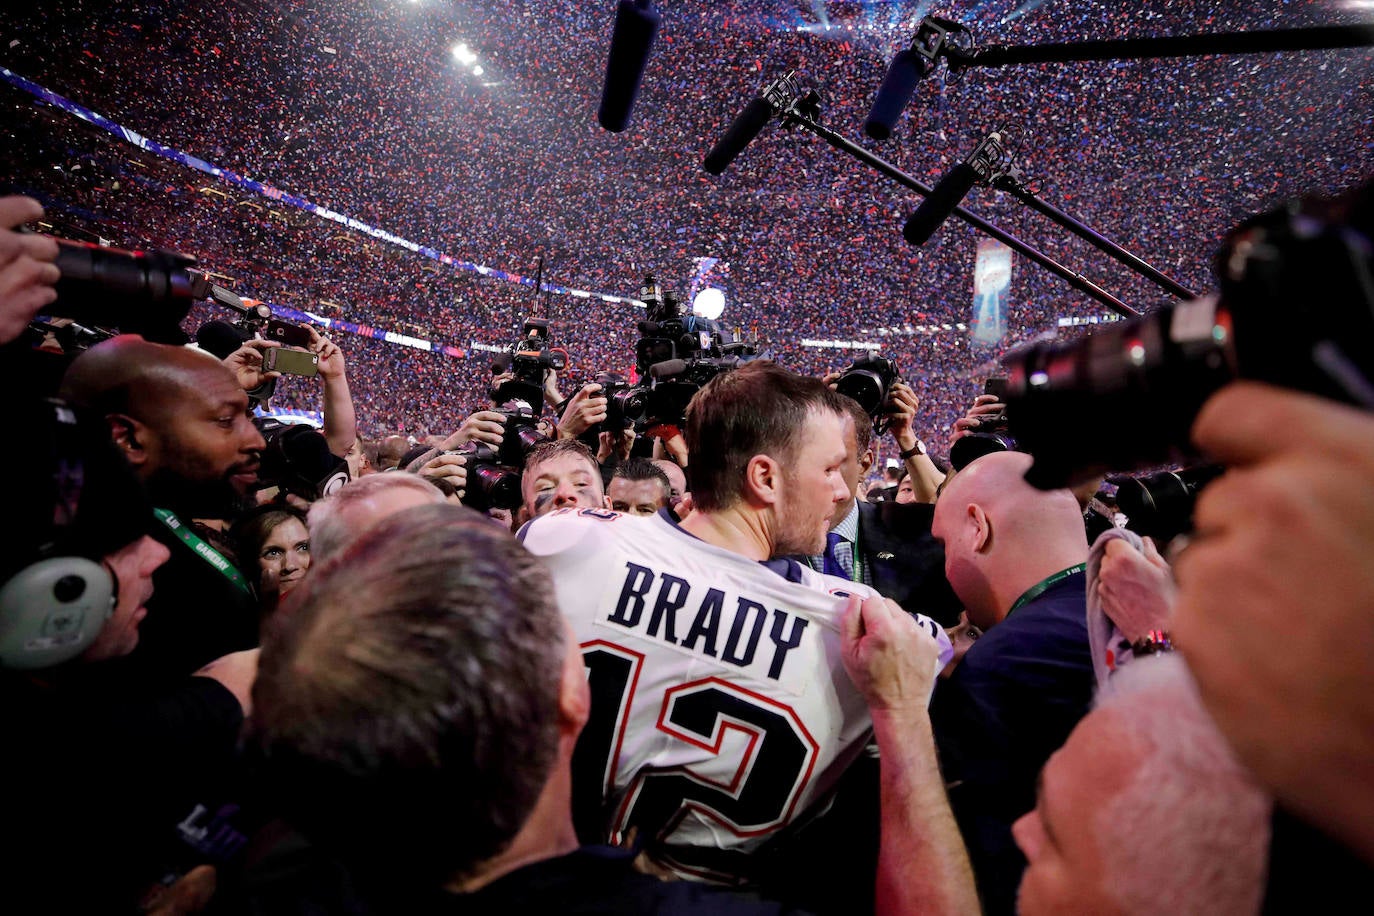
x=797 y=535
x=215 y=498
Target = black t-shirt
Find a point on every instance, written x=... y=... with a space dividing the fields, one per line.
x=592 y=881
x=99 y=781
x=195 y=616
x=598 y=880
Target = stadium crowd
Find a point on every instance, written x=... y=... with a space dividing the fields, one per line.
x=812 y=241
x=766 y=651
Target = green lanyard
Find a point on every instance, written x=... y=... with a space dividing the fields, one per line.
x=1039 y=588
x=207 y=553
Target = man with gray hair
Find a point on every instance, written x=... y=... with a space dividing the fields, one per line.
x=361 y=504
x=1146 y=809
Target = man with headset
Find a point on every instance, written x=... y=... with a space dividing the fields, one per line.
x=103 y=774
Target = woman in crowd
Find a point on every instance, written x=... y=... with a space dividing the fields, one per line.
x=274 y=548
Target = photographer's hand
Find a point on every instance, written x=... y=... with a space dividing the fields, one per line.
x=586 y=409
x=902 y=404
x=340 y=426
x=609 y=444
x=483 y=426
x=496 y=382
x=246 y=363
x=984 y=405
x=1136 y=589
x=551 y=393
x=451 y=467
x=1275 y=596
x=27 y=271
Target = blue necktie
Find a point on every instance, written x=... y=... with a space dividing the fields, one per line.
x=830 y=562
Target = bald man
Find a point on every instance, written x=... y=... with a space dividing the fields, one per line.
x=181 y=419
x=1015 y=556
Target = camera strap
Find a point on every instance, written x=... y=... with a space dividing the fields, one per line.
x=205 y=551
x=1044 y=585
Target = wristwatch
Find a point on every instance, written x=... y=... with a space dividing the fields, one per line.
x=918 y=449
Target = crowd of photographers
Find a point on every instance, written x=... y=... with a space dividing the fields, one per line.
x=1083 y=766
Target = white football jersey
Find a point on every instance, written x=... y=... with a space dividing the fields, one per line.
x=721 y=710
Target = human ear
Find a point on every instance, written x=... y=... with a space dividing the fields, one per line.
x=982 y=528
x=763 y=479
x=130 y=437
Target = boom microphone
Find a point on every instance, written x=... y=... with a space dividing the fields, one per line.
x=940 y=204
x=742 y=130
x=908 y=67
x=636 y=24
x=220 y=338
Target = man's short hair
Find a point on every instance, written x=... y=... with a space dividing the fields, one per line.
x=407 y=710
x=546 y=451
x=644 y=469
x=757 y=409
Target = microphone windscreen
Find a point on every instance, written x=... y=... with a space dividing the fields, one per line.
x=741 y=131
x=636 y=24
x=220 y=338
x=667 y=368
x=893 y=95
x=939 y=204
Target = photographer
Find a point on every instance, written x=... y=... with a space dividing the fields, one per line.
x=27 y=271
x=925 y=477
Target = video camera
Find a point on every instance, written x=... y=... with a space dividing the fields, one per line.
x=493 y=474
x=675 y=355
x=1295 y=309
x=531 y=357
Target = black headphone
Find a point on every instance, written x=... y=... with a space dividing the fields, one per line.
x=56 y=599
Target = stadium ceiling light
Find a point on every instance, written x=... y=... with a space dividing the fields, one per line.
x=709 y=303
x=463 y=54
x=477 y=70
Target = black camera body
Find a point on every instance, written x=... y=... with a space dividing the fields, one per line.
x=297 y=460
x=868 y=380
x=493 y=474
x=1295 y=309
x=624 y=403
x=532 y=355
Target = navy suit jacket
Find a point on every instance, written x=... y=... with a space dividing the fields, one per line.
x=904 y=560
x=1008 y=706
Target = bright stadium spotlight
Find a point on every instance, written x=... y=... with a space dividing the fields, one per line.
x=477 y=70
x=463 y=54
x=709 y=303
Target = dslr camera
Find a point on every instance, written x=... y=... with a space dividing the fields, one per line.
x=139 y=292
x=493 y=474
x=868 y=381
x=1294 y=308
